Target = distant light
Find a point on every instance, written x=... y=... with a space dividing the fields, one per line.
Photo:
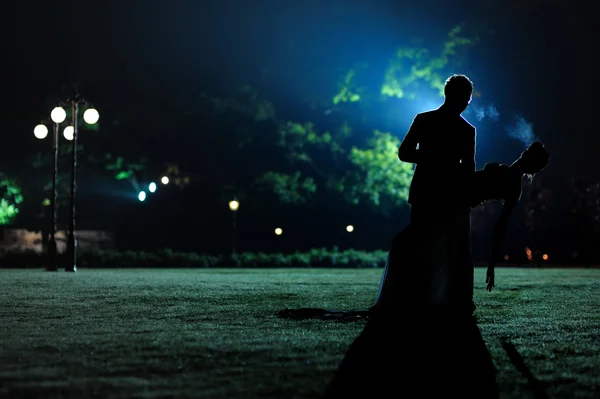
x=349 y=228
x=69 y=133
x=58 y=115
x=46 y=201
x=152 y=187
x=164 y=180
x=278 y=231
x=91 y=116
x=529 y=253
x=234 y=205
x=506 y=257
x=142 y=196
x=40 y=131
x=545 y=256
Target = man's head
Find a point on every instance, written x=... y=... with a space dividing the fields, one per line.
x=458 y=91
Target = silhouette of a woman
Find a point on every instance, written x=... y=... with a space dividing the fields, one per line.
x=409 y=275
x=412 y=341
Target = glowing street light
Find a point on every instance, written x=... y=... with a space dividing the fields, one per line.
x=142 y=196
x=152 y=187
x=58 y=115
x=91 y=116
x=69 y=133
x=164 y=180
x=40 y=131
x=349 y=228
x=278 y=231
x=234 y=205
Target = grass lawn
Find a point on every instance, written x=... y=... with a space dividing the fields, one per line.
x=213 y=333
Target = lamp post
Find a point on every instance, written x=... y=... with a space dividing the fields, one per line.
x=58 y=116
x=234 y=205
x=90 y=116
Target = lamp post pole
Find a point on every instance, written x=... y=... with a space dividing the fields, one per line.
x=58 y=115
x=90 y=116
x=71 y=265
x=233 y=206
x=52 y=247
x=233 y=235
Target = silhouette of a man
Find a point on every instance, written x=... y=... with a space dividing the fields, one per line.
x=442 y=145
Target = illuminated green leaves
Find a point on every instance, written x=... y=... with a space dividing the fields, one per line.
x=291 y=188
x=370 y=174
x=7 y=212
x=412 y=68
x=10 y=198
x=380 y=174
x=416 y=67
x=348 y=89
x=124 y=174
x=121 y=168
x=297 y=137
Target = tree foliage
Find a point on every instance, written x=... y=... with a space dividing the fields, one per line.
x=240 y=141
x=410 y=72
x=305 y=160
x=415 y=67
x=380 y=178
x=10 y=199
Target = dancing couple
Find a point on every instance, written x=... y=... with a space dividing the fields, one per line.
x=421 y=334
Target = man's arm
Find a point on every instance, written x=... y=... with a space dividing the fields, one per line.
x=408 y=151
x=470 y=147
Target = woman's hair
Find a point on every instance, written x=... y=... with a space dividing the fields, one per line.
x=535 y=158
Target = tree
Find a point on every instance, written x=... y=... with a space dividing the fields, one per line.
x=304 y=160
x=412 y=79
x=348 y=149
x=381 y=179
x=10 y=199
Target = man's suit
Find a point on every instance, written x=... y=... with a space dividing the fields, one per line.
x=442 y=145
x=446 y=152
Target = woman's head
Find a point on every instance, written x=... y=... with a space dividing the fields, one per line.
x=535 y=158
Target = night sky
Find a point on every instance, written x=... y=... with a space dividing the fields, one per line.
x=150 y=58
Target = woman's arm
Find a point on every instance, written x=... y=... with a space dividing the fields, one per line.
x=499 y=233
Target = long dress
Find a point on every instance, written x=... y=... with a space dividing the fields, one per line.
x=421 y=329
x=430 y=265
x=430 y=262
